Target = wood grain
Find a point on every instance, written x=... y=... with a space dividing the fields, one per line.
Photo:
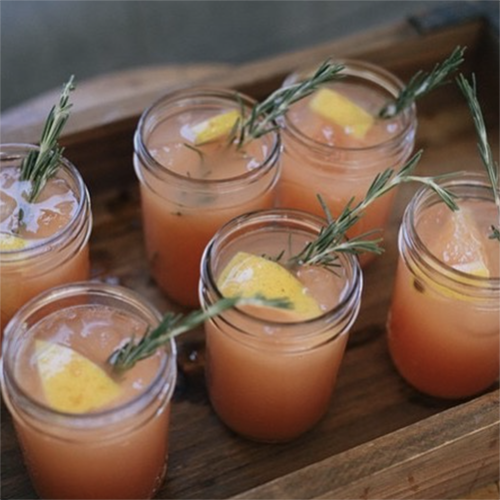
x=488 y=492
x=380 y=439
x=105 y=99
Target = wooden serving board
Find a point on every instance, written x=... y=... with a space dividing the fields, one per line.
x=380 y=438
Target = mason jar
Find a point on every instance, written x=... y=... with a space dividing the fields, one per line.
x=84 y=431
x=444 y=321
x=188 y=191
x=43 y=243
x=271 y=372
x=338 y=161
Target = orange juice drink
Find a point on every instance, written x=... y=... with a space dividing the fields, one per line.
x=193 y=180
x=444 y=322
x=43 y=243
x=335 y=145
x=84 y=431
x=270 y=372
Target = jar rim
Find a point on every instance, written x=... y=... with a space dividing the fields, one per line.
x=433 y=267
x=354 y=281
x=359 y=69
x=97 y=419
x=82 y=193
x=202 y=93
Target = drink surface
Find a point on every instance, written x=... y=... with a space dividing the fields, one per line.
x=343 y=135
x=171 y=144
x=325 y=287
x=462 y=237
x=47 y=215
x=92 y=332
x=451 y=351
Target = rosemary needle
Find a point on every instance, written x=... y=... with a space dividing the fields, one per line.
x=325 y=249
x=173 y=325
x=40 y=165
x=469 y=91
x=263 y=116
x=261 y=119
x=422 y=83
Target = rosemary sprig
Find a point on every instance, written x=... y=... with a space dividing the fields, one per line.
x=262 y=117
x=39 y=166
x=495 y=233
x=173 y=325
x=331 y=241
x=469 y=91
x=422 y=83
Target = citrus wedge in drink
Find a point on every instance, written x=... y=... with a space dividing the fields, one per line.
x=341 y=111
x=216 y=127
x=460 y=246
x=9 y=242
x=247 y=275
x=71 y=382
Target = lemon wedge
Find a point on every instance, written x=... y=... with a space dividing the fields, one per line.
x=71 y=382
x=247 y=275
x=477 y=268
x=215 y=127
x=9 y=242
x=459 y=245
x=338 y=109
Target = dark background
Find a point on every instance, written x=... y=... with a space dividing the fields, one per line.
x=42 y=42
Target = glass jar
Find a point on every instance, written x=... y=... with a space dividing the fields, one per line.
x=189 y=191
x=270 y=376
x=117 y=450
x=320 y=157
x=444 y=321
x=47 y=253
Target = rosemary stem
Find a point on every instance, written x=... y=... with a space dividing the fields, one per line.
x=332 y=238
x=173 y=325
x=262 y=118
x=470 y=93
x=422 y=83
x=39 y=166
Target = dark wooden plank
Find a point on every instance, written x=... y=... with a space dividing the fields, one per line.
x=410 y=463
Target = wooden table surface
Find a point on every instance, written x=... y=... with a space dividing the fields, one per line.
x=96 y=105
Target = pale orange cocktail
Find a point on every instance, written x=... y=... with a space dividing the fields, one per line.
x=444 y=322
x=43 y=243
x=190 y=188
x=335 y=144
x=271 y=373
x=86 y=432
